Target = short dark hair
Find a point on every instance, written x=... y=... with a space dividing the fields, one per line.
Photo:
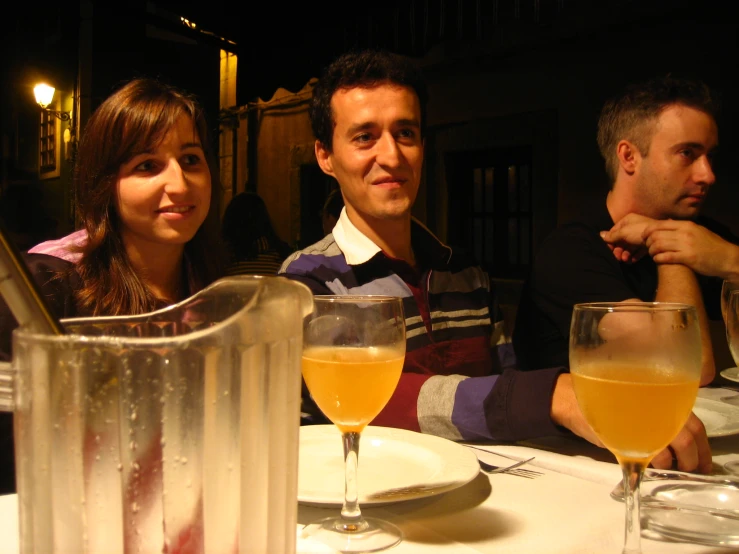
x=364 y=68
x=631 y=114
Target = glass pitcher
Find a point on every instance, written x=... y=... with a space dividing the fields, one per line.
x=174 y=431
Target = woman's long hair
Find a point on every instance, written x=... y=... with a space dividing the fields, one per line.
x=132 y=120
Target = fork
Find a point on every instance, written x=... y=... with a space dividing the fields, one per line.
x=511 y=469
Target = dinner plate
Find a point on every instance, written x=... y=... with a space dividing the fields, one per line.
x=731 y=373
x=721 y=419
x=395 y=465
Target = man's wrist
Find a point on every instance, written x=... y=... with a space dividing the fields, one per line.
x=563 y=399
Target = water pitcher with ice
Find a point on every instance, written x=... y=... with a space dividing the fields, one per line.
x=174 y=431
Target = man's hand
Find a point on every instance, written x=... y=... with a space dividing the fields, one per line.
x=626 y=238
x=690 y=449
x=687 y=243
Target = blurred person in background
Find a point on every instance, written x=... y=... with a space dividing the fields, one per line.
x=253 y=245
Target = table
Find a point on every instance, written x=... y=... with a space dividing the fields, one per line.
x=568 y=510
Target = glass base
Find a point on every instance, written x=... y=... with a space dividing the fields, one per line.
x=367 y=535
x=732 y=467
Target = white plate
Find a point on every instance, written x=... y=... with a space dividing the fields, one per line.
x=731 y=373
x=394 y=465
x=721 y=419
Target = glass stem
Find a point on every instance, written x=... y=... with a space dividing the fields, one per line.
x=350 y=513
x=633 y=472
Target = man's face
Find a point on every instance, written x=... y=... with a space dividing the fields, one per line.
x=674 y=177
x=377 y=151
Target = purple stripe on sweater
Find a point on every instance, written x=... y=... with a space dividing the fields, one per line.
x=468 y=415
x=306 y=263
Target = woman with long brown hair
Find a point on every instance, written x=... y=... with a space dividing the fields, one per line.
x=144 y=185
x=145 y=178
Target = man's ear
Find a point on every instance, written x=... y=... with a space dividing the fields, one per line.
x=628 y=156
x=323 y=156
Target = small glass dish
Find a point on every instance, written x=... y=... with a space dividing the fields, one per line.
x=686 y=507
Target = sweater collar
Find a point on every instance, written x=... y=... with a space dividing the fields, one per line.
x=358 y=248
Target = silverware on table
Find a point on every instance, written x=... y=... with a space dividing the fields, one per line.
x=513 y=469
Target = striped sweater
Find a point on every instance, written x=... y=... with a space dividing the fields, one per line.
x=459 y=378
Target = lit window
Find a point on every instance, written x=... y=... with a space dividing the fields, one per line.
x=49 y=146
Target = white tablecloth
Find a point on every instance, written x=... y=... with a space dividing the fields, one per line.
x=568 y=510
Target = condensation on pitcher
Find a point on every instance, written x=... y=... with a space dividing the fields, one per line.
x=135 y=507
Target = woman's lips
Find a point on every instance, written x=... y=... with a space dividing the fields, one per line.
x=176 y=212
x=175 y=209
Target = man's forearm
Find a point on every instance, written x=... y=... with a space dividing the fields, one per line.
x=678 y=283
x=732 y=264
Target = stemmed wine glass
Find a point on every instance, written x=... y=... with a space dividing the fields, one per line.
x=635 y=370
x=353 y=353
x=727 y=287
x=731 y=318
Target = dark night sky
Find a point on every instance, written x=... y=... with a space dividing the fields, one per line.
x=283 y=44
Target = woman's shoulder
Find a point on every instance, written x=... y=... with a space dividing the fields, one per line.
x=67 y=248
x=56 y=278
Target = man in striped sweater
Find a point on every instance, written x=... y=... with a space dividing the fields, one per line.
x=459 y=380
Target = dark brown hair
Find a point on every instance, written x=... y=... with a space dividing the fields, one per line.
x=632 y=114
x=130 y=121
x=367 y=69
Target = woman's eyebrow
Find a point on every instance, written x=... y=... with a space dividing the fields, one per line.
x=187 y=145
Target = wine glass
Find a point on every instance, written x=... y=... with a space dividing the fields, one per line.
x=731 y=317
x=727 y=287
x=353 y=353
x=635 y=370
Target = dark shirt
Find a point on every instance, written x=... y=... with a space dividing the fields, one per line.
x=57 y=284
x=575 y=265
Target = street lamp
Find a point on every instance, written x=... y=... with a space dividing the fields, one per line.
x=44 y=95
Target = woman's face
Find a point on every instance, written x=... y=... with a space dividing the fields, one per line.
x=163 y=196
